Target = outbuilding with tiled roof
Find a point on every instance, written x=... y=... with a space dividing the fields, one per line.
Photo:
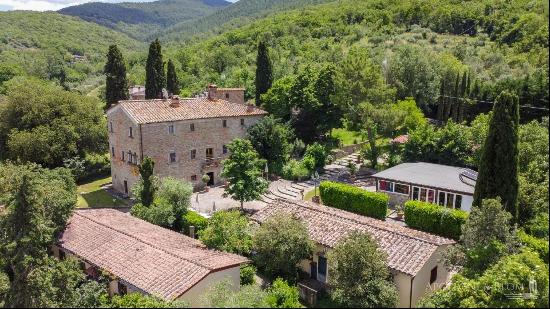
x=413 y=256
x=143 y=257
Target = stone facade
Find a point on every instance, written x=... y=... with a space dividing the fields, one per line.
x=185 y=149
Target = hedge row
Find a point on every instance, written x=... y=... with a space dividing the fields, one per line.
x=354 y=199
x=435 y=219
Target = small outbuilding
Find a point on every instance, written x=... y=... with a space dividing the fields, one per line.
x=448 y=186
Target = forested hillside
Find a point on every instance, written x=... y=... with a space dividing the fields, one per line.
x=56 y=47
x=237 y=14
x=141 y=20
x=501 y=45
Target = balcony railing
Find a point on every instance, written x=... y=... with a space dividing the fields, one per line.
x=212 y=162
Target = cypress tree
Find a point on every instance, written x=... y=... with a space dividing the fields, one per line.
x=148 y=191
x=462 y=100
x=498 y=168
x=456 y=100
x=264 y=71
x=116 y=84
x=155 y=79
x=172 y=83
x=441 y=106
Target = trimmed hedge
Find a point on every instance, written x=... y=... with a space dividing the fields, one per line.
x=354 y=199
x=433 y=218
x=191 y=218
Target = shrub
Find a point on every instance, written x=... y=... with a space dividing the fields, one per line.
x=435 y=219
x=160 y=212
x=354 y=199
x=317 y=152
x=295 y=170
x=191 y=218
x=282 y=295
x=248 y=271
x=537 y=245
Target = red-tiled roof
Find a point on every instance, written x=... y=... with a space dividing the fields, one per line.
x=407 y=249
x=150 y=111
x=401 y=139
x=155 y=260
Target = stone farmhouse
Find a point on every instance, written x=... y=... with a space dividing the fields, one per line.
x=448 y=186
x=413 y=256
x=142 y=257
x=186 y=138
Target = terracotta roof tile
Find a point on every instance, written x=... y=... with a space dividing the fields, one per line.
x=153 y=259
x=150 y=111
x=407 y=249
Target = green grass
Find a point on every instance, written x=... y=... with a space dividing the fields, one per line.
x=347 y=137
x=310 y=194
x=91 y=195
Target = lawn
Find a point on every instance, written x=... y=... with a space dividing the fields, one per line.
x=347 y=137
x=92 y=195
x=309 y=195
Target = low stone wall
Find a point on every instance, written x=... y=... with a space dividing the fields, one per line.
x=346 y=150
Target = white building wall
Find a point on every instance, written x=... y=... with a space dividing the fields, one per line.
x=420 y=284
x=195 y=295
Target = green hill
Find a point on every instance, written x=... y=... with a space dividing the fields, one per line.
x=503 y=44
x=142 y=20
x=55 y=46
x=235 y=15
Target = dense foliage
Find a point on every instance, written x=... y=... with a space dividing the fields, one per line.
x=435 y=219
x=116 y=84
x=227 y=231
x=280 y=244
x=523 y=274
x=56 y=47
x=359 y=274
x=354 y=199
x=191 y=218
x=487 y=236
x=155 y=79
x=38 y=204
x=42 y=123
x=498 y=168
x=272 y=139
x=143 y=20
x=243 y=170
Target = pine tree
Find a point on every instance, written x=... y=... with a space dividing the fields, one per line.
x=155 y=79
x=116 y=84
x=264 y=71
x=498 y=168
x=172 y=83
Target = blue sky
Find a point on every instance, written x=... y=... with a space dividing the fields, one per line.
x=52 y=5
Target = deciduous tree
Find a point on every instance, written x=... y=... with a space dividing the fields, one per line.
x=281 y=243
x=243 y=170
x=359 y=274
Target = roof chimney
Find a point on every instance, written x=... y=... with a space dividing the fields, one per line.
x=249 y=107
x=212 y=90
x=175 y=101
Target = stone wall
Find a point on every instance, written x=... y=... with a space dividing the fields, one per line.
x=158 y=143
x=234 y=95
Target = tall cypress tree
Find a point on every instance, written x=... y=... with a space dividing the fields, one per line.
x=155 y=79
x=172 y=83
x=264 y=71
x=116 y=84
x=146 y=171
x=498 y=168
